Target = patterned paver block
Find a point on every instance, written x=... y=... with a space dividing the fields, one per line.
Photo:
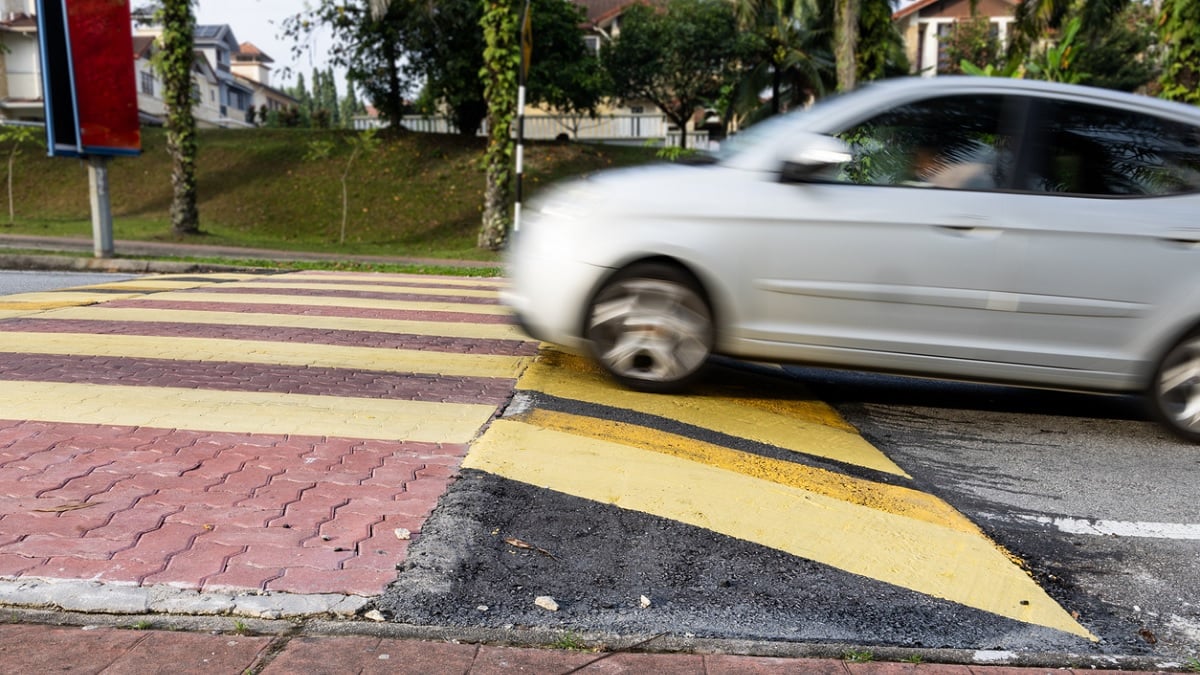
x=169 y=436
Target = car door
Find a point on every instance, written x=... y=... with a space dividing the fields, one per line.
x=893 y=260
x=1103 y=240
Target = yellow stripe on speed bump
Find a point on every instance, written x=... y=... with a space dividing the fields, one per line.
x=383 y=278
x=243 y=412
x=374 y=288
x=266 y=298
x=899 y=500
x=482 y=331
x=943 y=562
x=807 y=426
x=276 y=353
x=56 y=299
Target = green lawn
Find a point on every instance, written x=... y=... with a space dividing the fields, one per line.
x=418 y=195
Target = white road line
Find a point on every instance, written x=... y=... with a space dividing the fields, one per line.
x=1107 y=528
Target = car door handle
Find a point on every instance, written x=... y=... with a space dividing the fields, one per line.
x=1184 y=236
x=975 y=225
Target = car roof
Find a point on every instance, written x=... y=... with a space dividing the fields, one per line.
x=903 y=87
x=832 y=114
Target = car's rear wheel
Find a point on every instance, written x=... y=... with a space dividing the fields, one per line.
x=1175 y=390
x=651 y=328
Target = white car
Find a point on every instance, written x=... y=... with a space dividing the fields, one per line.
x=982 y=229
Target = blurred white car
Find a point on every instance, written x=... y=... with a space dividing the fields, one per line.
x=982 y=229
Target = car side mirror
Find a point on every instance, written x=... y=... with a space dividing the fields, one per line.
x=812 y=156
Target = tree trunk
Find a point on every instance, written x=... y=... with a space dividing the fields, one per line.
x=845 y=42
x=395 y=92
x=175 y=69
x=500 y=62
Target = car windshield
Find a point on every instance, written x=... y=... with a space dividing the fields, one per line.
x=767 y=130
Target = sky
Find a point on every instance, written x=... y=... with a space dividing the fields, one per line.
x=261 y=22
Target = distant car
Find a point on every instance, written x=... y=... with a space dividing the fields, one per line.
x=981 y=229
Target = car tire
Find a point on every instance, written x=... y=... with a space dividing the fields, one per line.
x=1174 y=394
x=651 y=328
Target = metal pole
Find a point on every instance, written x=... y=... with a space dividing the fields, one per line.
x=102 y=226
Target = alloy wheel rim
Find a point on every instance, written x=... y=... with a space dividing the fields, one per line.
x=651 y=329
x=1179 y=386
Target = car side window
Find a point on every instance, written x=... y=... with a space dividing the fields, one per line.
x=955 y=142
x=1084 y=149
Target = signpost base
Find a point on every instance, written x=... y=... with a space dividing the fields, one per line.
x=102 y=224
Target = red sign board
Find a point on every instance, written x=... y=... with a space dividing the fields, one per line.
x=87 y=64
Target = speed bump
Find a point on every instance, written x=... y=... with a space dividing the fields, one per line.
x=890 y=533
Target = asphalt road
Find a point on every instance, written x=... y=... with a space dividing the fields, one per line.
x=33 y=281
x=1099 y=500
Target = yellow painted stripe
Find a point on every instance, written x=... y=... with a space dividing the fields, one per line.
x=214 y=277
x=901 y=501
x=318 y=301
x=801 y=425
x=50 y=300
x=243 y=412
x=277 y=353
x=150 y=285
x=484 y=331
x=371 y=287
x=395 y=278
x=939 y=561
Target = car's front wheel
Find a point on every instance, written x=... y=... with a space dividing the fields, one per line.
x=651 y=328
x=1175 y=390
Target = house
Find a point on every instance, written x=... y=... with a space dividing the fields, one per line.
x=252 y=68
x=20 y=65
x=232 y=98
x=227 y=78
x=924 y=23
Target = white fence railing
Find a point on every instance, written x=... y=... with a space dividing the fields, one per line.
x=602 y=128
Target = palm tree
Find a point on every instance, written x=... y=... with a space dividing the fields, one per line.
x=1034 y=18
x=788 y=55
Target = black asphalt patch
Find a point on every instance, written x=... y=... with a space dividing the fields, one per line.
x=597 y=561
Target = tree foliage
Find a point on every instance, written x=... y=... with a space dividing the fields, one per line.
x=1179 y=26
x=678 y=59
x=369 y=44
x=880 y=48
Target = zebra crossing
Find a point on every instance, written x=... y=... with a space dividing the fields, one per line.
x=241 y=432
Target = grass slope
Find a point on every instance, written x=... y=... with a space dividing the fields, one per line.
x=418 y=195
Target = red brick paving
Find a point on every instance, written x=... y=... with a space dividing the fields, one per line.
x=222 y=376
x=117 y=651
x=229 y=511
x=192 y=523
x=346 y=338
x=338 y=293
x=213 y=513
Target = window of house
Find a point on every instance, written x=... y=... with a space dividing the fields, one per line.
x=592 y=44
x=147 y=83
x=956 y=142
x=1088 y=149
